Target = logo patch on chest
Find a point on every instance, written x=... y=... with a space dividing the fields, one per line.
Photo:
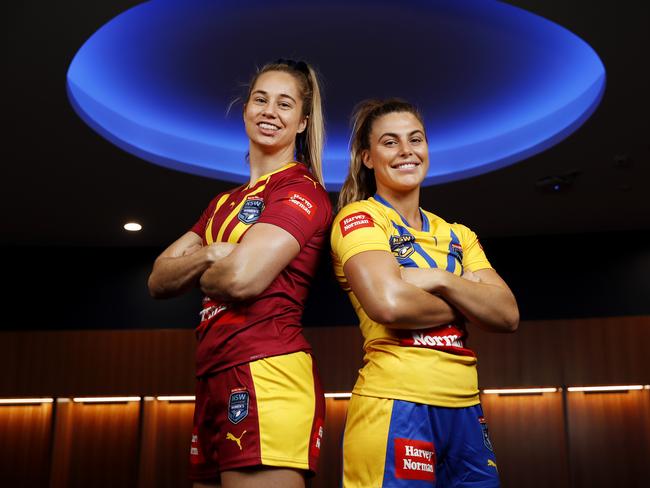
x=456 y=250
x=238 y=405
x=402 y=246
x=251 y=210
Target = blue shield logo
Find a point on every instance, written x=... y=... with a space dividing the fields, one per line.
x=238 y=406
x=251 y=210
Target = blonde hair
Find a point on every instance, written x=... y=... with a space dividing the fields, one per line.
x=360 y=181
x=310 y=142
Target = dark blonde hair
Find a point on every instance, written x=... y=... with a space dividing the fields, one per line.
x=310 y=142
x=360 y=181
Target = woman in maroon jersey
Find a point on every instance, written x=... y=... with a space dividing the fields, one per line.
x=259 y=407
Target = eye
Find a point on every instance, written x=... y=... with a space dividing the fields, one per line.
x=389 y=142
x=416 y=140
x=285 y=105
x=259 y=100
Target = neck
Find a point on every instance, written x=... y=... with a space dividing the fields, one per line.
x=262 y=162
x=407 y=204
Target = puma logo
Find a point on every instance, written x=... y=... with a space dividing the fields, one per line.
x=231 y=437
x=490 y=462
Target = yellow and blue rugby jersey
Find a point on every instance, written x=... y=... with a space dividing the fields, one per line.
x=430 y=366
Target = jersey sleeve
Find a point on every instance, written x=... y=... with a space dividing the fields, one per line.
x=357 y=228
x=300 y=206
x=474 y=257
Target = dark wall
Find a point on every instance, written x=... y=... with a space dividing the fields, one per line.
x=569 y=276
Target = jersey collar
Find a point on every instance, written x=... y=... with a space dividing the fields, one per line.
x=425 y=220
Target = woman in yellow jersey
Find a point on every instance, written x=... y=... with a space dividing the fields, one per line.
x=258 y=417
x=414 y=280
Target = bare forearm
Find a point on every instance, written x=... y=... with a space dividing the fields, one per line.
x=487 y=305
x=173 y=275
x=408 y=307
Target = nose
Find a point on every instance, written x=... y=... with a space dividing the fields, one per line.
x=269 y=111
x=405 y=148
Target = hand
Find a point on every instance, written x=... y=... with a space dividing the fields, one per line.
x=218 y=250
x=469 y=276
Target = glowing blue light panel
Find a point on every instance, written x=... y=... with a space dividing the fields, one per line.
x=496 y=84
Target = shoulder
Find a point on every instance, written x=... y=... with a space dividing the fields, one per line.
x=298 y=182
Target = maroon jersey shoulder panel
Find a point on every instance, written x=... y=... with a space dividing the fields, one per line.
x=297 y=203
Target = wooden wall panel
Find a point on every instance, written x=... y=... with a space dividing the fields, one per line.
x=339 y=355
x=607 y=351
x=609 y=439
x=166 y=434
x=329 y=470
x=528 y=435
x=96 y=445
x=98 y=362
x=25 y=434
x=532 y=356
x=151 y=362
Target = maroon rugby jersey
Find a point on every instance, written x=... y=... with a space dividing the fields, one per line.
x=232 y=333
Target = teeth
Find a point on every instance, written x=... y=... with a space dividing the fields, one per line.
x=266 y=126
x=406 y=165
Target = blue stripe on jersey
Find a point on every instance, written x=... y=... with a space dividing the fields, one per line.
x=418 y=249
x=425 y=222
x=451 y=260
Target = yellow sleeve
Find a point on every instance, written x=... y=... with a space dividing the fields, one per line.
x=474 y=257
x=358 y=228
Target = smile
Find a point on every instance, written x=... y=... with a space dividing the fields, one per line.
x=406 y=165
x=267 y=126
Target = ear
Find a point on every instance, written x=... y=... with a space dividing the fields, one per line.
x=303 y=124
x=365 y=157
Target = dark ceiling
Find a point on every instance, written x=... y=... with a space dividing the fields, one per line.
x=63 y=185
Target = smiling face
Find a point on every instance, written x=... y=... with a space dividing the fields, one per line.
x=398 y=152
x=273 y=114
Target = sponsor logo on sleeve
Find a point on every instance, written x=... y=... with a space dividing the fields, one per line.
x=355 y=221
x=251 y=210
x=238 y=405
x=302 y=203
x=414 y=460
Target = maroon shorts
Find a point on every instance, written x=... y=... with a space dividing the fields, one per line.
x=268 y=412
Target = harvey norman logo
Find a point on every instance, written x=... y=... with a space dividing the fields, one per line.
x=414 y=460
x=301 y=202
x=355 y=221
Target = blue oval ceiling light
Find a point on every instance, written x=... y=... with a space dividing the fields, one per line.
x=497 y=84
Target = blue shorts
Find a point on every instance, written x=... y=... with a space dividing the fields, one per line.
x=393 y=443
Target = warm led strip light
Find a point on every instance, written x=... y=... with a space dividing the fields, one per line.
x=106 y=399
x=518 y=391
x=176 y=398
x=338 y=395
x=25 y=401
x=605 y=388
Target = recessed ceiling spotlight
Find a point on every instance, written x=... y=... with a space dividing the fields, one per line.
x=132 y=226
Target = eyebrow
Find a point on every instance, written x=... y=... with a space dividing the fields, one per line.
x=262 y=92
x=392 y=134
